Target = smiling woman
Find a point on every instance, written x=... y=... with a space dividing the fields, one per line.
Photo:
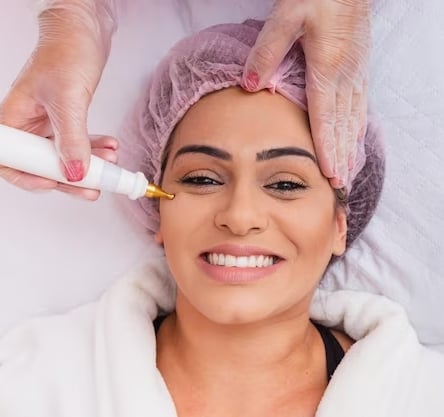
x=251 y=192
x=240 y=327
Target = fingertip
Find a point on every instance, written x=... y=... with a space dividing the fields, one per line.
x=81 y=193
x=75 y=154
x=92 y=195
x=107 y=142
x=337 y=182
x=326 y=161
x=113 y=146
x=74 y=170
x=327 y=168
x=87 y=194
x=281 y=29
x=106 y=154
x=250 y=81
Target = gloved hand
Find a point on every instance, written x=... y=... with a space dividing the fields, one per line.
x=52 y=93
x=102 y=146
x=335 y=36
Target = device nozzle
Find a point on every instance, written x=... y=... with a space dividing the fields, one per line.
x=154 y=191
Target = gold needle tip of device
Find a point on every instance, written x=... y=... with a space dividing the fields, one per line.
x=153 y=191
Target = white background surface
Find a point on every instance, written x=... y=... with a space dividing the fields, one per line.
x=56 y=252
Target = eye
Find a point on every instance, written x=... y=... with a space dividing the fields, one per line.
x=286 y=188
x=199 y=180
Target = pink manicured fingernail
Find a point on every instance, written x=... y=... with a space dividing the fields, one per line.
x=251 y=81
x=74 y=170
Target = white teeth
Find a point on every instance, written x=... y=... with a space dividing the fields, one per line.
x=252 y=261
x=242 y=261
x=230 y=260
x=260 y=261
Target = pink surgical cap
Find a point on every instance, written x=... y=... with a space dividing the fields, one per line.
x=211 y=60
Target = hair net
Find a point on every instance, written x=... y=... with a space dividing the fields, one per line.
x=211 y=60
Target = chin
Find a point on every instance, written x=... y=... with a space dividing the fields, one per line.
x=245 y=310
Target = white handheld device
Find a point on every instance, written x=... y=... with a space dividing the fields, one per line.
x=35 y=155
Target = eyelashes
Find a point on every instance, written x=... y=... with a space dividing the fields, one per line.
x=199 y=181
x=280 y=187
x=286 y=186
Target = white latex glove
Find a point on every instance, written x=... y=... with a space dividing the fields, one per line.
x=52 y=94
x=102 y=146
x=335 y=36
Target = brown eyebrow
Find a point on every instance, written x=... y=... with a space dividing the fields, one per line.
x=206 y=150
x=279 y=152
x=264 y=155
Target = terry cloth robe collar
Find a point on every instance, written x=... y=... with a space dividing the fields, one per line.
x=100 y=360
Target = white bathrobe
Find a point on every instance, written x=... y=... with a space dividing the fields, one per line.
x=100 y=360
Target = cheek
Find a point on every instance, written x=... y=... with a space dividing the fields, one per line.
x=182 y=217
x=310 y=225
x=185 y=228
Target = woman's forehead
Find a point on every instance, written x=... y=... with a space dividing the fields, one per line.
x=232 y=119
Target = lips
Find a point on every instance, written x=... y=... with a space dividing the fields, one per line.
x=235 y=264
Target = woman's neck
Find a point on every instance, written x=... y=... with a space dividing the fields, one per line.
x=283 y=355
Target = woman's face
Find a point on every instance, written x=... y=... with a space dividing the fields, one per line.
x=254 y=223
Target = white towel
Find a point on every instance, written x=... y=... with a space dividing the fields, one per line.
x=100 y=359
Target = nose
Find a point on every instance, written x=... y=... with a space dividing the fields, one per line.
x=242 y=212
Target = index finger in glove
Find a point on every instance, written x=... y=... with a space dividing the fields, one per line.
x=336 y=117
x=321 y=105
x=282 y=28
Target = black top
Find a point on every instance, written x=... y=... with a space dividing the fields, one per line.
x=333 y=350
